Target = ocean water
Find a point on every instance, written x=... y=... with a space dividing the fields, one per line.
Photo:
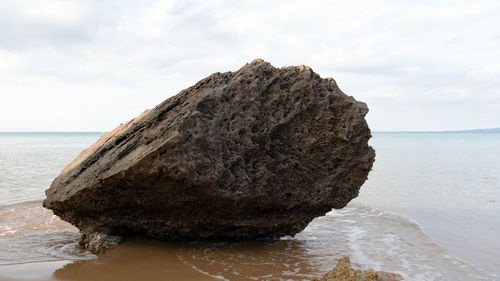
x=430 y=210
x=449 y=183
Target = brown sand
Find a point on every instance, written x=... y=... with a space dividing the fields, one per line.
x=130 y=261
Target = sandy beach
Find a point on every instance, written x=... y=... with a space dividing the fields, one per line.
x=130 y=261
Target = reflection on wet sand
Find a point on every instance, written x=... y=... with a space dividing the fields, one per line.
x=132 y=261
x=256 y=260
x=139 y=260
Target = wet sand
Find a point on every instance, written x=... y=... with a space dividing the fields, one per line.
x=130 y=261
x=35 y=245
x=198 y=261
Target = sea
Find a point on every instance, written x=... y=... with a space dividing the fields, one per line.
x=430 y=210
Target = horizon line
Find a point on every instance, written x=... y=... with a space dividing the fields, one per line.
x=374 y=131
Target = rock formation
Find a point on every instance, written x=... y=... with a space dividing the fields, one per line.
x=249 y=154
x=344 y=272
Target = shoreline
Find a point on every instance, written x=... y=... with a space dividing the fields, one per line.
x=150 y=260
x=129 y=261
x=56 y=271
x=287 y=258
x=36 y=271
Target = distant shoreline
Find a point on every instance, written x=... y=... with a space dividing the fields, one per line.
x=490 y=130
x=53 y=133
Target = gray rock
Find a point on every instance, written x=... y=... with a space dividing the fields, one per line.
x=249 y=154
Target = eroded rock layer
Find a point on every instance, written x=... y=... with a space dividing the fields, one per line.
x=254 y=153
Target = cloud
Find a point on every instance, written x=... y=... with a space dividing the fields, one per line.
x=111 y=59
x=34 y=24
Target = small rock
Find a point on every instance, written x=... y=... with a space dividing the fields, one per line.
x=98 y=242
x=344 y=272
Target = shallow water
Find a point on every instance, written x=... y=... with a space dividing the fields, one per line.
x=429 y=211
x=32 y=234
x=30 y=161
x=449 y=183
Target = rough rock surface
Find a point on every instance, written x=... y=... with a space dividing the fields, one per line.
x=344 y=272
x=249 y=154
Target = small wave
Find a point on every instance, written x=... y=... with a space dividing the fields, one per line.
x=402 y=219
x=373 y=238
x=41 y=247
x=29 y=217
x=30 y=233
x=387 y=241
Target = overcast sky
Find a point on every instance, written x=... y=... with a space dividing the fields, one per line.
x=90 y=65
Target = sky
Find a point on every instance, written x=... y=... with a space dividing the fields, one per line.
x=91 y=65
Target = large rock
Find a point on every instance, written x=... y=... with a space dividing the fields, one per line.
x=254 y=153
